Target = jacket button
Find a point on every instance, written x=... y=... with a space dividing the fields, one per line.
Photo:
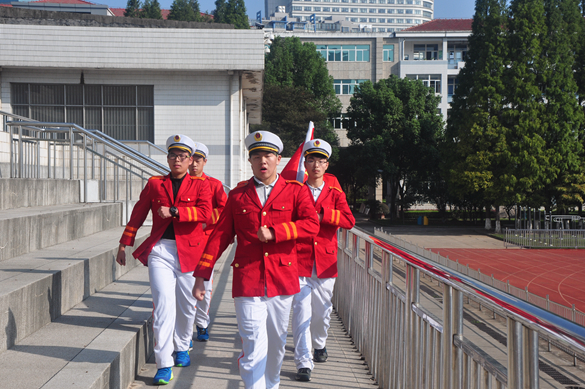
x=188 y=199
x=237 y=265
x=265 y=226
x=264 y=213
x=315 y=243
x=244 y=211
x=265 y=254
x=290 y=263
x=283 y=207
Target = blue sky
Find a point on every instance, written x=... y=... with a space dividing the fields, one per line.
x=451 y=9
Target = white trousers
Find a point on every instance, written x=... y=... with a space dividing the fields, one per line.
x=311 y=317
x=263 y=324
x=174 y=304
x=202 y=315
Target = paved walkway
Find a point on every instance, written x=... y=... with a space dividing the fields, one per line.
x=214 y=363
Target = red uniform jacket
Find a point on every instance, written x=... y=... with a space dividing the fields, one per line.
x=322 y=248
x=218 y=200
x=262 y=269
x=194 y=205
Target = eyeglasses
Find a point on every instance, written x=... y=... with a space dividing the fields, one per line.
x=180 y=158
x=318 y=163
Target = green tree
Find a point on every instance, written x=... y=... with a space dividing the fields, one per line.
x=298 y=89
x=562 y=119
x=184 y=10
x=398 y=129
x=151 y=10
x=132 y=9
x=287 y=111
x=476 y=155
x=524 y=113
x=231 y=12
x=292 y=63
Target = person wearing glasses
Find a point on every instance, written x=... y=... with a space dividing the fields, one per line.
x=218 y=200
x=180 y=203
x=317 y=256
x=267 y=214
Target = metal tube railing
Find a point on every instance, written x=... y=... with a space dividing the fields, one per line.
x=404 y=342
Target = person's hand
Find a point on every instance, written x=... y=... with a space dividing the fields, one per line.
x=265 y=234
x=121 y=256
x=164 y=212
x=199 y=288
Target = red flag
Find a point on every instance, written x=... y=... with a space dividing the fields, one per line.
x=295 y=169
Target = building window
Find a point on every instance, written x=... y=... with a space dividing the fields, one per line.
x=452 y=83
x=335 y=9
x=427 y=52
x=399 y=1
x=399 y=21
x=354 y=20
x=381 y=20
x=409 y=1
x=373 y=10
x=363 y=10
x=326 y=9
x=354 y=10
x=427 y=4
x=409 y=12
x=124 y=112
x=345 y=10
x=417 y=2
x=417 y=12
x=409 y=21
x=390 y=11
x=429 y=80
x=382 y=11
x=399 y=11
x=372 y=20
x=352 y=53
x=297 y=8
x=363 y=20
x=457 y=53
x=388 y=51
x=317 y=9
x=346 y=87
x=389 y=20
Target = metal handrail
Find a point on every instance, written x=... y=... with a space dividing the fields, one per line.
x=378 y=297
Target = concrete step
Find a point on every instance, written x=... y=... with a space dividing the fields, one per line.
x=99 y=343
x=33 y=192
x=25 y=230
x=38 y=287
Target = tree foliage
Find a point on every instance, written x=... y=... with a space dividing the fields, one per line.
x=132 y=9
x=398 y=129
x=292 y=63
x=231 y=12
x=185 y=10
x=291 y=101
x=151 y=10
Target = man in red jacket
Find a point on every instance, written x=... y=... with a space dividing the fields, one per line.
x=218 y=200
x=317 y=256
x=267 y=214
x=180 y=204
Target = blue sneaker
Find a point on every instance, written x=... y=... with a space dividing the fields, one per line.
x=163 y=376
x=182 y=359
x=191 y=345
x=202 y=334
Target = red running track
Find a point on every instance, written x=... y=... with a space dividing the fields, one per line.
x=558 y=273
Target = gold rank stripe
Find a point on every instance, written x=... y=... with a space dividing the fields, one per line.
x=189 y=214
x=130 y=234
x=338 y=217
x=332 y=217
x=130 y=231
x=207 y=256
x=194 y=213
x=287 y=231
x=216 y=211
x=294 y=230
x=131 y=228
x=204 y=264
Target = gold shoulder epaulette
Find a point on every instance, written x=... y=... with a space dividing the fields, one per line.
x=336 y=188
x=241 y=184
x=294 y=182
x=197 y=178
x=156 y=177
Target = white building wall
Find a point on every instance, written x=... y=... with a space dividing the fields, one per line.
x=196 y=76
x=190 y=103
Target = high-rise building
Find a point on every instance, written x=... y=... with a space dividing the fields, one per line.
x=370 y=15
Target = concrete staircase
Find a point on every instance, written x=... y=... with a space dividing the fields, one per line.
x=70 y=316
